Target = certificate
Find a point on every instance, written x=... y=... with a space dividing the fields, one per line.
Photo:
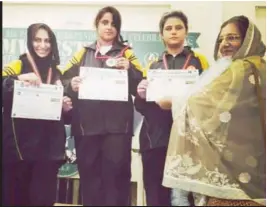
x=37 y=102
x=166 y=83
x=103 y=84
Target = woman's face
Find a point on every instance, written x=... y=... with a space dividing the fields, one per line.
x=230 y=40
x=174 y=32
x=106 y=28
x=41 y=43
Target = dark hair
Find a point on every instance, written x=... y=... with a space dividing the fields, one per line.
x=116 y=20
x=176 y=14
x=31 y=32
x=242 y=24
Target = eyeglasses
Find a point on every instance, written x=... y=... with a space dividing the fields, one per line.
x=229 y=38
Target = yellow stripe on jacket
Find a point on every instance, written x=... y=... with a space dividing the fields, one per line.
x=133 y=59
x=76 y=58
x=12 y=68
x=203 y=60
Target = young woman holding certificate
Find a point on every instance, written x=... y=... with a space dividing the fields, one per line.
x=33 y=150
x=155 y=131
x=103 y=129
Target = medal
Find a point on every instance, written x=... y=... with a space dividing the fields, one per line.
x=111 y=62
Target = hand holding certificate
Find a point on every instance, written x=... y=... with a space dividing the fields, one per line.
x=168 y=83
x=103 y=84
x=37 y=102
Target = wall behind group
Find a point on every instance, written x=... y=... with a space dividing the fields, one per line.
x=205 y=18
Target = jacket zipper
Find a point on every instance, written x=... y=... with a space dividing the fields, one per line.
x=173 y=62
x=149 y=138
x=81 y=126
x=126 y=129
x=16 y=140
x=82 y=129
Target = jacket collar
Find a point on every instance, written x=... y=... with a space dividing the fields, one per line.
x=115 y=46
x=186 y=51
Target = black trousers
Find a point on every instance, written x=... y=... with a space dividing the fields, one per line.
x=29 y=183
x=104 y=164
x=153 y=167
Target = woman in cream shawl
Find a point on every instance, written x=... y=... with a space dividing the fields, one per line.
x=217 y=143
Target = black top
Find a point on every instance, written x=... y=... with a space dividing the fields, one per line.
x=29 y=139
x=156 y=127
x=98 y=117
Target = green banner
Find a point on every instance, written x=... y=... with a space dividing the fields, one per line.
x=144 y=44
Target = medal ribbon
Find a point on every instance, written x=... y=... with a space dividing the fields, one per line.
x=36 y=71
x=188 y=58
x=106 y=56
